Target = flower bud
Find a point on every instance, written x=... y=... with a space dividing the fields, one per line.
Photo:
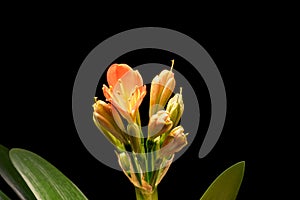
x=159 y=123
x=131 y=168
x=104 y=120
x=134 y=136
x=162 y=87
x=174 y=142
x=175 y=107
x=163 y=169
x=124 y=161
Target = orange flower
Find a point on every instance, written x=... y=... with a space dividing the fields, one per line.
x=126 y=90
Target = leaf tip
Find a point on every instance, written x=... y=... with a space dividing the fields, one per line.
x=241 y=165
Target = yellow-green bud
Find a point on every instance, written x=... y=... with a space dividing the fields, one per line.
x=134 y=135
x=175 y=107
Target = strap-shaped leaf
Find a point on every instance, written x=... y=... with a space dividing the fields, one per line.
x=227 y=184
x=12 y=177
x=3 y=196
x=44 y=180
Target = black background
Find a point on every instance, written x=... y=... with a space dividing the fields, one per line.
x=40 y=63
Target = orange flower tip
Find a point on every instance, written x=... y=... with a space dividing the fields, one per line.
x=115 y=72
x=124 y=66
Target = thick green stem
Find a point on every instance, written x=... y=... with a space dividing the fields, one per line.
x=146 y=195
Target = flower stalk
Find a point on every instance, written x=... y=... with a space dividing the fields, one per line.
x=145 y=195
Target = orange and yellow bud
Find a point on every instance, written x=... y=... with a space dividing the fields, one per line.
x=104 y=120
x=162 y=87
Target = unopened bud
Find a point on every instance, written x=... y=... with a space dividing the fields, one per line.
x=134 y=135
x=159 y=123
x=135 y=175
x=175 y=107
x=174 y=142
x=104 y=120
x=162 y=87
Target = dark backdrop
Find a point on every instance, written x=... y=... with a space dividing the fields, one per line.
x=41 y=62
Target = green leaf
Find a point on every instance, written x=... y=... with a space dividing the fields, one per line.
x=12 y=177
x=45 y=180
x=3 y=196
x=227 y=184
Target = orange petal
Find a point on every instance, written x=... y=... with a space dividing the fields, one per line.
x=107 y=92
x=115 y=72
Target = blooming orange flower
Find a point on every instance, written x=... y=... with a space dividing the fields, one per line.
x=126 y=90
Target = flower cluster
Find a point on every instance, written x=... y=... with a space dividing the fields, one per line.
x=144 y=157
